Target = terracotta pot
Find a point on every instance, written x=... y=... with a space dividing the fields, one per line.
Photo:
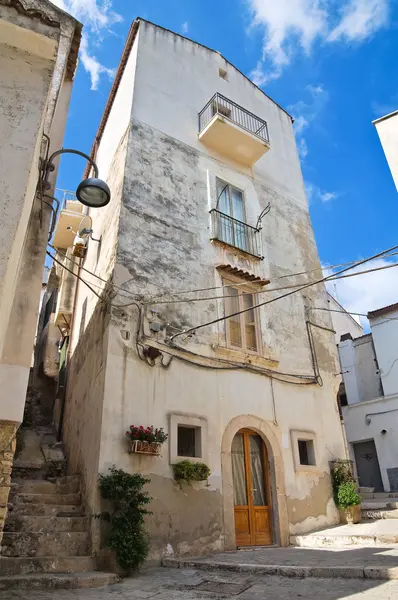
x=350 y=515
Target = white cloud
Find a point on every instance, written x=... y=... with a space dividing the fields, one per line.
x=292 y=26
x=97 y=17
x=327 y=196
x=304 y=113
x=360 y=19
x=314 y=192
x=93 y=67
x=302 y=148
x=185 y=27
x=303 y=20
x=300 y=124
x=369 y=291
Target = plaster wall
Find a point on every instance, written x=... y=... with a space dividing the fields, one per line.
x=387 y=129
x=342 y=321
x=366 y=421
x=34 y=54
x=360 y=369
x=180 y=77
x=385 y=334
x=161 y=243
x=83 y=418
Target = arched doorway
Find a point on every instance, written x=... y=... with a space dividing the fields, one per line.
x=251 y=489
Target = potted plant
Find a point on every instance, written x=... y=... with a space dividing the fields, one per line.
x=146 y=440
x=350 y=501
x=189 y=471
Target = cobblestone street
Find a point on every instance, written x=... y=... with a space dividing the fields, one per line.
x=189 y=584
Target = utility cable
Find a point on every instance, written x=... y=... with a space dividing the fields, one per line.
x=219 y=287
x=90 y=287
x=310 y=284
x=95 y=275
x=332 y=277
x=346 y=312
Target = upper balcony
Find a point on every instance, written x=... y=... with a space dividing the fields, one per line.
x=70 y=215
x=233 y=130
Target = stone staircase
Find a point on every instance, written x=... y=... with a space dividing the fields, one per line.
x=46 y=542
x=46 y=538
x=378 y=505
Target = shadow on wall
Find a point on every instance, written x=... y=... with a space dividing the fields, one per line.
x=83 y=407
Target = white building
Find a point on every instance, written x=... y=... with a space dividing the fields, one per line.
x=38 y=56
x=194 y=154
x=370 y=370
x=387 y=128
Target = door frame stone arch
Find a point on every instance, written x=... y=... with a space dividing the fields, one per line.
x=280 y=522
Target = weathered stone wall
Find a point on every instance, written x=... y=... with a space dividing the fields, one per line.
x=168 y=187
x=8 y=431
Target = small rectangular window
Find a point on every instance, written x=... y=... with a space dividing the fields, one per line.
x=188 y=441
x=306 y=452
x=223 y=74
x=243 y=331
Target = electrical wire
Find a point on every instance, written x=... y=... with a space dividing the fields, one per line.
x=346 y=312
x=90 y=287
x=219 y=287
x=332 y=277
x=95 y=275
x=265 y=291
x=310 y=284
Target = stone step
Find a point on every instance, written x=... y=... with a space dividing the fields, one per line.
x=61 y=485
x=55 y=544
x=31 y=524
x=343 y=541
x=309 y=568
x=366 y=490
x=46 y=564
x=58 y=581
x=27 y=470
x=373 y=514
x=379 y=495
x=388 y=503
x=57 y=498
x=45 y=510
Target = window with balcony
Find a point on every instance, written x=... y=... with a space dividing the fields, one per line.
x=242 y=331
x=228 y=220
x=233 y=130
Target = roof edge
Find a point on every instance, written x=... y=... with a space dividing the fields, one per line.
x=112 y=94
x=382 y=311
x=392 y=114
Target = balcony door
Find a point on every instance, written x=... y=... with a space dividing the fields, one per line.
x=251 y=490
x=231 y=204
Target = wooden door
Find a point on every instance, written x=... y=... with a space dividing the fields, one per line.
x=251 y=490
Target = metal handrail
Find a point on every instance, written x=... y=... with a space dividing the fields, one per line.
x=220 y=105
x=235 y=233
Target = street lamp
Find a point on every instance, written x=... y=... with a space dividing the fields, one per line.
x=92 y=192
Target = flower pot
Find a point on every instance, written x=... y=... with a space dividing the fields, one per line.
x=142 y=447
x=350 y=515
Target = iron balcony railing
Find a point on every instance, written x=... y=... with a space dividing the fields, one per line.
x=235 y=233
x=220 y=105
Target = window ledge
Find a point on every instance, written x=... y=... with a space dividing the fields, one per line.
x=248 y=358
x=309 y=470
x=236 y=250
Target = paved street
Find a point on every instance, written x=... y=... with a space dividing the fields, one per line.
x=189 y=584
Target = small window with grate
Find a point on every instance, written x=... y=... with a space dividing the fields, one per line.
x=189 y=441
x=306 y=452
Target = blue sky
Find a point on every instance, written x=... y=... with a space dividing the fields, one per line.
x=331 y=63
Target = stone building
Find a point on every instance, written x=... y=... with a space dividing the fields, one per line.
x=387 y=129
x=370 y=410
x=208 y=215
x=38 y=54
